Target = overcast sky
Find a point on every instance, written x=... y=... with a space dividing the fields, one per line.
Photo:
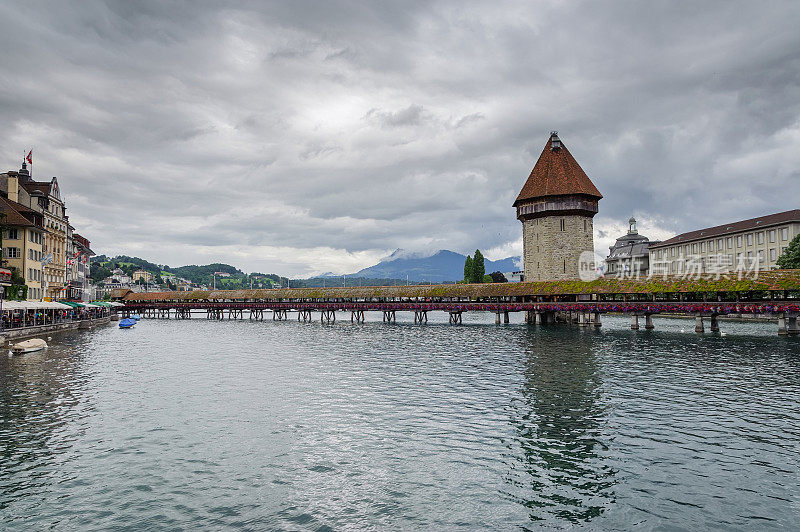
x=304 y=137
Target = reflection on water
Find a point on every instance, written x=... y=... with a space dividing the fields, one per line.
x=560 y=465
x=287 y=425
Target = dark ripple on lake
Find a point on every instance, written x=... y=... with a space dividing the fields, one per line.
x=285 y=425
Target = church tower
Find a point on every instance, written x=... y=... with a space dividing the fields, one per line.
x=556 y=207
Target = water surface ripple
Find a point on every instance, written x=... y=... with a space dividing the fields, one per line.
x=298 y=426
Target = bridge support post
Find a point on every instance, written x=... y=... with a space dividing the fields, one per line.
x=389 y=316
x=420 y=316
x=635 y=322
x=506 y=318
x=698 y=324
x=497 y=318
x=455 y=317
x=792 y=328
x=714 y=323
x=582 y=319
x=648 y=322
x=597 y=322
x=782 y=330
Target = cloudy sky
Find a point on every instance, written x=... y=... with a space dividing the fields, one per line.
x=303 y=137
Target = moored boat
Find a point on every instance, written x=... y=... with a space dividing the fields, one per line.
x=127 y=323
x=28 y=346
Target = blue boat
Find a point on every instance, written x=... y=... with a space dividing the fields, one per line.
x=135 y=317
x=127 y=323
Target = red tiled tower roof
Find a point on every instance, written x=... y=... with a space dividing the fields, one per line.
x=556 y=173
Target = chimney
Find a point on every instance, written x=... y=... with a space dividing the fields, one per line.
x=13 y=186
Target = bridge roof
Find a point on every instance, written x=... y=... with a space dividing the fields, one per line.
x=770 y=280
x=557 y=173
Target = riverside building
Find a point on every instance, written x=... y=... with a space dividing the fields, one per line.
x=46 y=270
x=556 y=207
x=23 y=237
x=629 y=257
x=747 y=245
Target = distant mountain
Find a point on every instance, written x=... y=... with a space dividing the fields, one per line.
x=444 y=265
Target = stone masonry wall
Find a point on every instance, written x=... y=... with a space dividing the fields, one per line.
x=550 y=253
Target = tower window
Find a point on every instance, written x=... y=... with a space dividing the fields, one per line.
x=584 y=226
x=565 y=265
x=562 y=224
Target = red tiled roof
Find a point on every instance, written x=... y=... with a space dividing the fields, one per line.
x=557 y=173
x=12 y=213
x=732 y=228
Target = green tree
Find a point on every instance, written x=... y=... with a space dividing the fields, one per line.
x=791 y=257
x=478 y=267
x=498 y=277
x=468 y=269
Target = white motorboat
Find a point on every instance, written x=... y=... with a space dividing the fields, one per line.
x=28 y=346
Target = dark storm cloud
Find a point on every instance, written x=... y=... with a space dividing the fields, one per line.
x=316 y=136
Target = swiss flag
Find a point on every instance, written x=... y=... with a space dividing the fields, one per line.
x=29 y=157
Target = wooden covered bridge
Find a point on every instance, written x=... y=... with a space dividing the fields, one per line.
x=773 y=294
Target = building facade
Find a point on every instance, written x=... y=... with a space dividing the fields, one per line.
x=79 y=279
x=47 y=271
x=747 y=245
x=23 y=237
x=143 y=275
x=629 y=257
x=556 y=207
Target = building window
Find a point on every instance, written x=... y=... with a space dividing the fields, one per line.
x=761 y=237
x=694 y=248
x=730 y=242
x=739 y=241
x=772 y=236
x=760 y=255
x=562 y=225
x=785 y=233
x=772 y=255
x=749 y=239
x=12 y=253
x=585 y=225
x=710 y=245
x=12 y=234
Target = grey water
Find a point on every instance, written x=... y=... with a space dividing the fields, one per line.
x=181 y=425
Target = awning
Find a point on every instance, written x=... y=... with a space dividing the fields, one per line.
x=34 y=305
x=73 y=304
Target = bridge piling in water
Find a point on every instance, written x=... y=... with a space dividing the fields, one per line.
x=792 y=327
x=698 y=324
x=635 y=322
x=782 y=330
x=327 y=316
x=389 y=316
x=648 y=322
x=455 y=317
x=714 y=323
x=420 y=316
x=357 y=316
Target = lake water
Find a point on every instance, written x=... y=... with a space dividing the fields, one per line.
x=304 y=426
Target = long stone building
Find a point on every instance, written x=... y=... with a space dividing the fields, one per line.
x=556 y=207
x=747 y=245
